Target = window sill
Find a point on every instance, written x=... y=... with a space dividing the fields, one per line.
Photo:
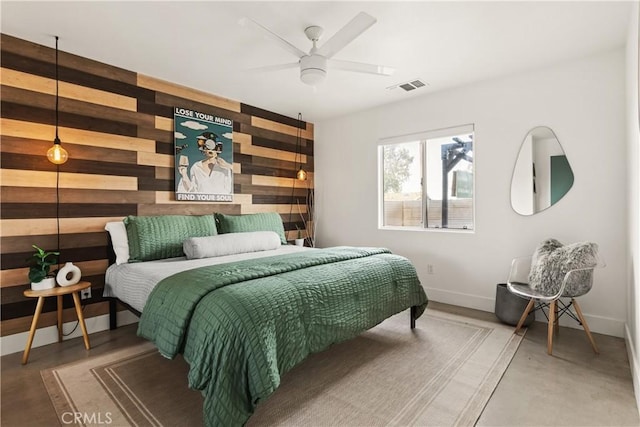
x=420 y=229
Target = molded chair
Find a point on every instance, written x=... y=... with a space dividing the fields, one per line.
x=518 y=283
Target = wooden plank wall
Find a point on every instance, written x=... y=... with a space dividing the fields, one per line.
x=117 y=126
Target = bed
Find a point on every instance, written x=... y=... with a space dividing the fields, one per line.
x=242 y=317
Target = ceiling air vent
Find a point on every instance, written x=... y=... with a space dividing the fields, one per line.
x=410 y=85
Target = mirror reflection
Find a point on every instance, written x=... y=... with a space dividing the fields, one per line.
x=542 y=174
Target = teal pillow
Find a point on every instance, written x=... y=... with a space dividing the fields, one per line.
x=269 y=221
x=160 y=237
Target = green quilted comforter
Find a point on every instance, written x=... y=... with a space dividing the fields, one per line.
x=242 y=325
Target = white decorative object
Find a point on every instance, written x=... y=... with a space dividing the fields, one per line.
x=46 y=283
x=63 y=275
x=299 y=242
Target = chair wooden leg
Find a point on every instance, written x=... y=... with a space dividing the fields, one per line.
x=550 y=326
x=524 y=315
x=556 y=324
x=585 y=326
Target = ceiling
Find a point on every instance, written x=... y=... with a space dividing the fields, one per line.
x=202 y=45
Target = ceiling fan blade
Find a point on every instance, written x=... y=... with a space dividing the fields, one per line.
x=347 y=34
x=273 y=36
x=362 y=68
x=275 y=67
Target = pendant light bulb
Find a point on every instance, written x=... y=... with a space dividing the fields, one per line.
x=57 y=154
x=301 y=175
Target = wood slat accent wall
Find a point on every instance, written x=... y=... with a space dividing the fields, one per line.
x=117 y=126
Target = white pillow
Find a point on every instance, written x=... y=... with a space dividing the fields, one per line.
x=230 y=243
x=119 y=241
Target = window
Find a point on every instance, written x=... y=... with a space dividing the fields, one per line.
x=426 y=180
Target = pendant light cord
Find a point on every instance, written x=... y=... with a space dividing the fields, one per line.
x=57 y=141
x=299 y=141
x=295 y=164
x=58 y=212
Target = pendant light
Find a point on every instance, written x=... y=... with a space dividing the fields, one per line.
x=57 y=154
x=301 y=175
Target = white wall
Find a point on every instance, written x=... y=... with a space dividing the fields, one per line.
x=582 y=101
x=633 y=164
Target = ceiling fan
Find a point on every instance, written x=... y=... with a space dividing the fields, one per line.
x=313 y=65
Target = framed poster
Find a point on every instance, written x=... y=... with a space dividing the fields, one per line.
x=204 y=156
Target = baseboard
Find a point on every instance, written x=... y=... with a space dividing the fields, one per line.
x=598 y=324
x=461 y=299
x=634 y=365
x=15 y=343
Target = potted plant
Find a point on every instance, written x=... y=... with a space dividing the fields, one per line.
x=39 y=273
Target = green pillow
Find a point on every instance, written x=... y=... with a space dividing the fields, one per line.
x=160 y=237
x=270 y=221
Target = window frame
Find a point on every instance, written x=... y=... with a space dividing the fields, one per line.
x=422 y=138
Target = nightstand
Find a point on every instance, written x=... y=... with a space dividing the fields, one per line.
x=58 y=292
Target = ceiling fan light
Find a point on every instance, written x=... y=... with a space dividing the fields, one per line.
x=313 y=69
x=313 y=76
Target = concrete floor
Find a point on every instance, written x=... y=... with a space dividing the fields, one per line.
x=574 y=387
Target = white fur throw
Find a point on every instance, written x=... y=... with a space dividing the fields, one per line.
x=552 y=260
x=230 y=243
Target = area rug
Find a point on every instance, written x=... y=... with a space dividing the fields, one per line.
x=441 y=374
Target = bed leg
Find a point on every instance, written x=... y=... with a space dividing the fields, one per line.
x=113 y=314
x=414 y=310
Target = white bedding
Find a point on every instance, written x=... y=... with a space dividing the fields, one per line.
x=132 y=283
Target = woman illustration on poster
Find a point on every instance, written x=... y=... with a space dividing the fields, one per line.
x=211 y=175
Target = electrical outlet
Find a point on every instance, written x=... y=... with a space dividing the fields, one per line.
x=85 y=293
x=429 y=268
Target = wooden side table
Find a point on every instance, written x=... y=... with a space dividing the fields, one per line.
x=58 y=292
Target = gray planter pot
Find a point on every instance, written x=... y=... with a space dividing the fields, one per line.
x=509 y=307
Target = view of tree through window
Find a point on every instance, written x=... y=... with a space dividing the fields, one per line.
x=402 y=183
x=428 y=182
x=397 y=160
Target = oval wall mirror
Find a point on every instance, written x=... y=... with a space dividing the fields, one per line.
x=542 y=174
